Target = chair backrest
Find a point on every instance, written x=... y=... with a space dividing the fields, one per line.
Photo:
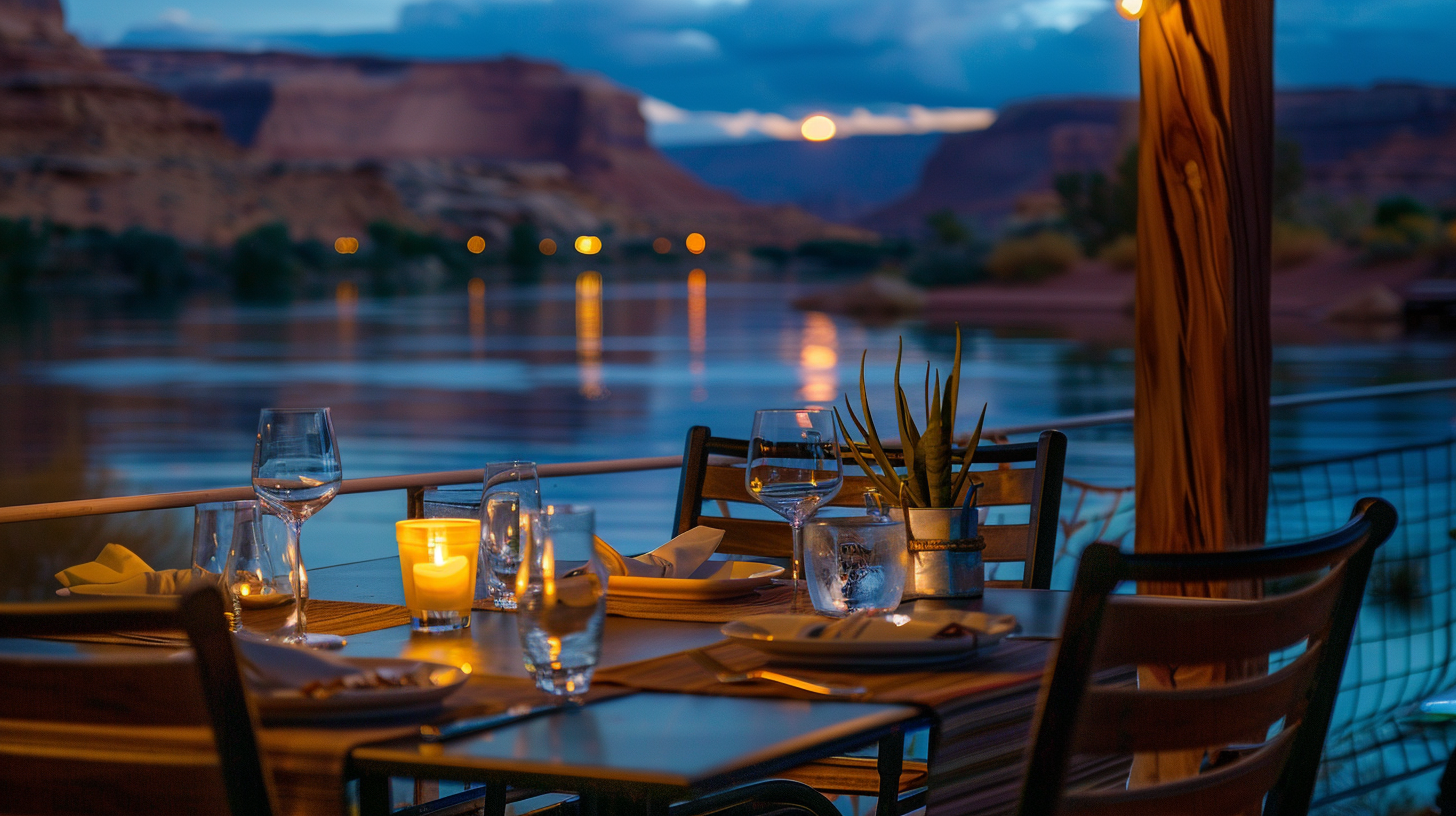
x=1103 y=630
x=1038 y=487
x=127 y=731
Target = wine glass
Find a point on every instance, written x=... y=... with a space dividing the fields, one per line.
x=793 y=468
x=296 y=471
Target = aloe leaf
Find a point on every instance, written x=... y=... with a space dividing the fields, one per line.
x=970 y=454
x=937 y=454
x=927 y=388
x=872 y=437
x=883 y=483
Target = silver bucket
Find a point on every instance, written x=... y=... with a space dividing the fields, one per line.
x=942 y=566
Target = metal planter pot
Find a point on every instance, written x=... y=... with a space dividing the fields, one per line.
x=941 y=565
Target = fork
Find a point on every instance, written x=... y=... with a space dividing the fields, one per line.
x=726 y=675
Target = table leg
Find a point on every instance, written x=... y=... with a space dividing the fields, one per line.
x=495 y=799
x=891 y=762
x=426 y=790
x=374 y=795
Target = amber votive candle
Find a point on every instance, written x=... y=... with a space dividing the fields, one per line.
x=437 y=563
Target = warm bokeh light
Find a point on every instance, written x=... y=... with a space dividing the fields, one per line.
x=696 y=243
x=476 y=244
x=662 y=246
x=476 y=290
x=346 y=245
x=588 y=244
x=1131 y=9
x=820 y=128
x=589 y=334
x=697 y=331
x=476 y=287
x=819 y=358
x=548 y=246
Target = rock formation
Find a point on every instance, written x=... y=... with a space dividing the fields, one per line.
x=84 y=144
x=1364 y=144
x=470 y=146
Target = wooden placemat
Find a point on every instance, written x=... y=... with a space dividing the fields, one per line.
x=325 y=617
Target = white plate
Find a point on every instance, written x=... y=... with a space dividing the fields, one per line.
x=859 y=653
x=712 y=581
x=354 y=704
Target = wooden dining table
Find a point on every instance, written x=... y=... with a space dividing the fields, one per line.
x=658 y=728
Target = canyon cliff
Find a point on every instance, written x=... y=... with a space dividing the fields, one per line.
x=1355 y=145
x=469 y=146
x=209 y=145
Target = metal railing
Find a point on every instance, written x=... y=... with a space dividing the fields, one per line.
x=418 y=481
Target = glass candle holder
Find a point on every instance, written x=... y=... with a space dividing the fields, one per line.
x=437 y=563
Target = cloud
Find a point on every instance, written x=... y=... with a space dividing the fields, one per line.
x=671 y=125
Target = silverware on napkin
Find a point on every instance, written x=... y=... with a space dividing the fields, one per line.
x=726 y=675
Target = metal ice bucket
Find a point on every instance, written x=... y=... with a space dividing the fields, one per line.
x=943 y=563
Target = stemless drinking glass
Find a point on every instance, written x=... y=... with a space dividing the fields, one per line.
x=855 y=563
x=510 y=492
x=296 y=471
x=216 y=528
x=793 y=468
x=562 y=602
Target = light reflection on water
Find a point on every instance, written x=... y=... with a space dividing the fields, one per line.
x=585 y=368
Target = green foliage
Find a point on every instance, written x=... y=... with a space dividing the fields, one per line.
x=1401 y=228
x=947 y=229
x=263 y=266
x=1033 y=258
x=1097 y=209
x=22 y=251
x=842 y=254
x=155 y=261
x=1288 y=178
x=524 y=254
x=930 y=478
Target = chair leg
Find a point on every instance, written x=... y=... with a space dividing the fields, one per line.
x=374 y=795
x=891 y=761
x=771 y=795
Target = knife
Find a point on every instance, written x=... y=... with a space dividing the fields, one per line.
x=473 y=725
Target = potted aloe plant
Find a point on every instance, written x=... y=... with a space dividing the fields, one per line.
x=945 y=548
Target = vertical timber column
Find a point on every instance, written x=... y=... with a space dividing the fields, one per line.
x=1202 y=308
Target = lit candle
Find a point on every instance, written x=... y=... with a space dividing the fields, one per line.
x=444 y=586
x=437 y=560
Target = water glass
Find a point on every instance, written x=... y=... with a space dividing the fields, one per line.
x=854 y=564
x=215 y=525
x=562 y=601
x=254 y=578
x=511 y=490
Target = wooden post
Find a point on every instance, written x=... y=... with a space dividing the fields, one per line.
x=1201 y=426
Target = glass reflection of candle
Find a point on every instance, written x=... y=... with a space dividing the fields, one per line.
x=698 y=331
x=477 y=317
x=589 y=334
x=346 y=304
x=819 y=358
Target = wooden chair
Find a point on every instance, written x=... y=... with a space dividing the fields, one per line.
x=1103 y=630
x=122 y=733
x=1033 y=543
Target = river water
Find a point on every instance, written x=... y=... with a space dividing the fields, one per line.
x=582 y=369
x=104 y=401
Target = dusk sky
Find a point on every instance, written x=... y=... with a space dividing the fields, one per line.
x=718 y=69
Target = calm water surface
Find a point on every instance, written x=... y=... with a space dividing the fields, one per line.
x=576 y=370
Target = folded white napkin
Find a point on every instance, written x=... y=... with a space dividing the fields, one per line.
x=161 y=582
x=271 y=665
x=678 y=558
x=923 y=625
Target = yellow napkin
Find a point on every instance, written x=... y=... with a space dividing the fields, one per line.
x=161 y=582
x=114 y=565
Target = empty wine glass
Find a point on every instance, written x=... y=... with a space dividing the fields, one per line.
x=793 y=468
x=296 y=471
x=510 y=492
